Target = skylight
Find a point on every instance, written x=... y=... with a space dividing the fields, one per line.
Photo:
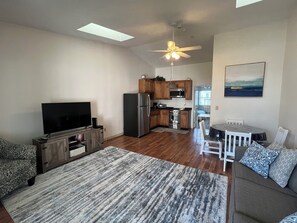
x=241 y=3
x=102 y=31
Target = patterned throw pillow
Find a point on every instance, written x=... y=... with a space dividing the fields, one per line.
x=258 y=158
x=290 y=219
x=275 y=145
x=282 y=168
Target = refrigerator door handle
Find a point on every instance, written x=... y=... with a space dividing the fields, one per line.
x=148 y=107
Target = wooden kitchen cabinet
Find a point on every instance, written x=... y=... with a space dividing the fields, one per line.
x=164 y=117
x=154 y=119
x=161 y=90
x=185 y=119
x=179 y=84
x=188 y=89
x=146 y=86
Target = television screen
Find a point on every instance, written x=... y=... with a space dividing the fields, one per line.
x=64 y=116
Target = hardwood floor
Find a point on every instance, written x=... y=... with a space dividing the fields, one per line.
x=177 y=148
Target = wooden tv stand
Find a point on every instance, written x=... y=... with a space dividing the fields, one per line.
x=66 y=147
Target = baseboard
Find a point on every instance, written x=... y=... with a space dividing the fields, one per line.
x=114 y=136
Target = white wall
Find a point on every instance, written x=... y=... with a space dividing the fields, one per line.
x=200 y=73
x=288 y=107
x=254 y=44
x=38 y=66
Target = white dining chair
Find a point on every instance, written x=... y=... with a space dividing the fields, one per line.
x=234 y=122
x=232 y=140
x=208 y=144
x=281 y=136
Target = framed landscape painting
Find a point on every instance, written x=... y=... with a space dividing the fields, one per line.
x=245 y=80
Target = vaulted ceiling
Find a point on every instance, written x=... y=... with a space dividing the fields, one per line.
x=149 y=21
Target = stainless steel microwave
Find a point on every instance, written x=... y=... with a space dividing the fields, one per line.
x=177 y=92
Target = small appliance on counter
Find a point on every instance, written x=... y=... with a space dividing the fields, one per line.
x=160 y=105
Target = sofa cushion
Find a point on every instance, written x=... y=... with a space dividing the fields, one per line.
x=281 y=169
x=241 y=171
x=262 y=203
x=238 y=217
x=293 y=181
x=259 y=158
x=290 y=219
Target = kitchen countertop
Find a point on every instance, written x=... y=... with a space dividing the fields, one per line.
x=170 y=108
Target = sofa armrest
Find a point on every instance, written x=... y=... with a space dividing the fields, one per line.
x=239 y=152
x=17 y=151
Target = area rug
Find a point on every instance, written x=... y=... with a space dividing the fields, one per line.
x=160 y=129
x=116 y=185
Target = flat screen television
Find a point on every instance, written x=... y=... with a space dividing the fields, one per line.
x=65 y=116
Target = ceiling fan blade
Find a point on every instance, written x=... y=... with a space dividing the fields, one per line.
x=183 y=54
x=190 y=48
x=159 y=51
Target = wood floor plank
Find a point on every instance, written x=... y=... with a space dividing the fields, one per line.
x=173 y=147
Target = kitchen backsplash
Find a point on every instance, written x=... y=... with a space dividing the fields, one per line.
x=176 y=103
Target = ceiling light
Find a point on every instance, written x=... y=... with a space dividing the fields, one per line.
x=168 y=56
x=102 y=31
x=241 y=3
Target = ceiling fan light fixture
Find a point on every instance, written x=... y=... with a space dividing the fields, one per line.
x=168 y=56
x=175 y=55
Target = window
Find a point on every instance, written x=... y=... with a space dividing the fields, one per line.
x=204 y=97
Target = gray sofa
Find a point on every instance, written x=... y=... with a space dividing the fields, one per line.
x=256 y=199
x=17 y=165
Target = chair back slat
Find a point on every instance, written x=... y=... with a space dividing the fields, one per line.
x=234 y=139
x=281 y=136
x=202 y=129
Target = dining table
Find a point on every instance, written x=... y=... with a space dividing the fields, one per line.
x=218 y=131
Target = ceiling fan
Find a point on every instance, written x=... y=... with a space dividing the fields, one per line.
x=173 y=52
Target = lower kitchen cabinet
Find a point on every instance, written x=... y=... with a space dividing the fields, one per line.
x=185 y=119
x=164 y=117
x=154 y=119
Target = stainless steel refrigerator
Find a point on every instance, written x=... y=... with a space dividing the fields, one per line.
x=136 y=114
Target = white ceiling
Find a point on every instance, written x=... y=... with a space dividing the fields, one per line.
x=147 y=20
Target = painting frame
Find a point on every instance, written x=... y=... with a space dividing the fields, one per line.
x=244 y=80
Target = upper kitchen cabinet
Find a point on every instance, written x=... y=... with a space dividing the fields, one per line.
x=146 y=86
x=161 y=90
x=186 y=85
x=188 y=89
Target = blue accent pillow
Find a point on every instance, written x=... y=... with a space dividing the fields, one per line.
x=258 y=158
x=290 y=219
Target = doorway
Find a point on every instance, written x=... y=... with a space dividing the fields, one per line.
x=202 y=105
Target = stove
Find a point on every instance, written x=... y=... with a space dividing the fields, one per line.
x=174 y=119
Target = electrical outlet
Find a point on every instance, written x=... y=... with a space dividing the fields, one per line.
x=217 y=107
x=104 y=129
